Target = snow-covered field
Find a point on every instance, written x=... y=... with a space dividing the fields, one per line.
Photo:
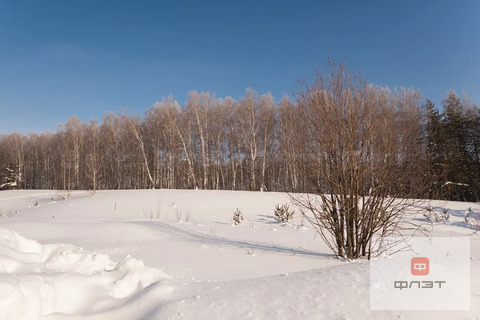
x=174 y=254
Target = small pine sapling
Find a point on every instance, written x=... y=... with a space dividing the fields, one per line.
x=468 y=213
x=431 y=215
x=473 y=220
x=445 y=214
x=282 y=213
x=237 y=217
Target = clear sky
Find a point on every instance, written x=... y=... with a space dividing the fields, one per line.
x=87 y=57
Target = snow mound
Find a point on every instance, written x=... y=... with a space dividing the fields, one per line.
x=37 y=279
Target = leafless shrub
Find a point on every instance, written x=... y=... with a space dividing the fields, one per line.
x=362 y=159
x=178 y=215
x=182 y=215
x=433 y=216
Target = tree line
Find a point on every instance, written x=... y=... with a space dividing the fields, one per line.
x=452 y=149
x=254 y=143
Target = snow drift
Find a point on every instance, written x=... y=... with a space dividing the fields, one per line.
x=38 y=279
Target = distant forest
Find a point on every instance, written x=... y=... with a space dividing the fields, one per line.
x=251 y=143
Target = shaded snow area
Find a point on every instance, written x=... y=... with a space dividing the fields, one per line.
x=176 y=254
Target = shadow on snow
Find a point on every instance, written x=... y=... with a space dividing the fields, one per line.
x=179 y=233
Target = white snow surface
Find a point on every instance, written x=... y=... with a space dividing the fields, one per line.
x=175 y=254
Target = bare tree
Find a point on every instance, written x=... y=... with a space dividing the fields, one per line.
x=198 y=108
x=94 y=156
x=111 y=132
x=233 y=138
x=355 y=146
x=291 y=149
x=218 y=142
x=74 y=129
x=182 y=126
x=250 y=132
x=134 y=124
x=267 y=122
x=160 y=121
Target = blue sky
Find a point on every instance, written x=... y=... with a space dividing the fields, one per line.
x=60 y=58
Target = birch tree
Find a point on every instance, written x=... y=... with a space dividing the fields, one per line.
x=249 y=124
x=134 y=125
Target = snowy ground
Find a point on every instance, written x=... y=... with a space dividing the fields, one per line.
x=171 y=254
